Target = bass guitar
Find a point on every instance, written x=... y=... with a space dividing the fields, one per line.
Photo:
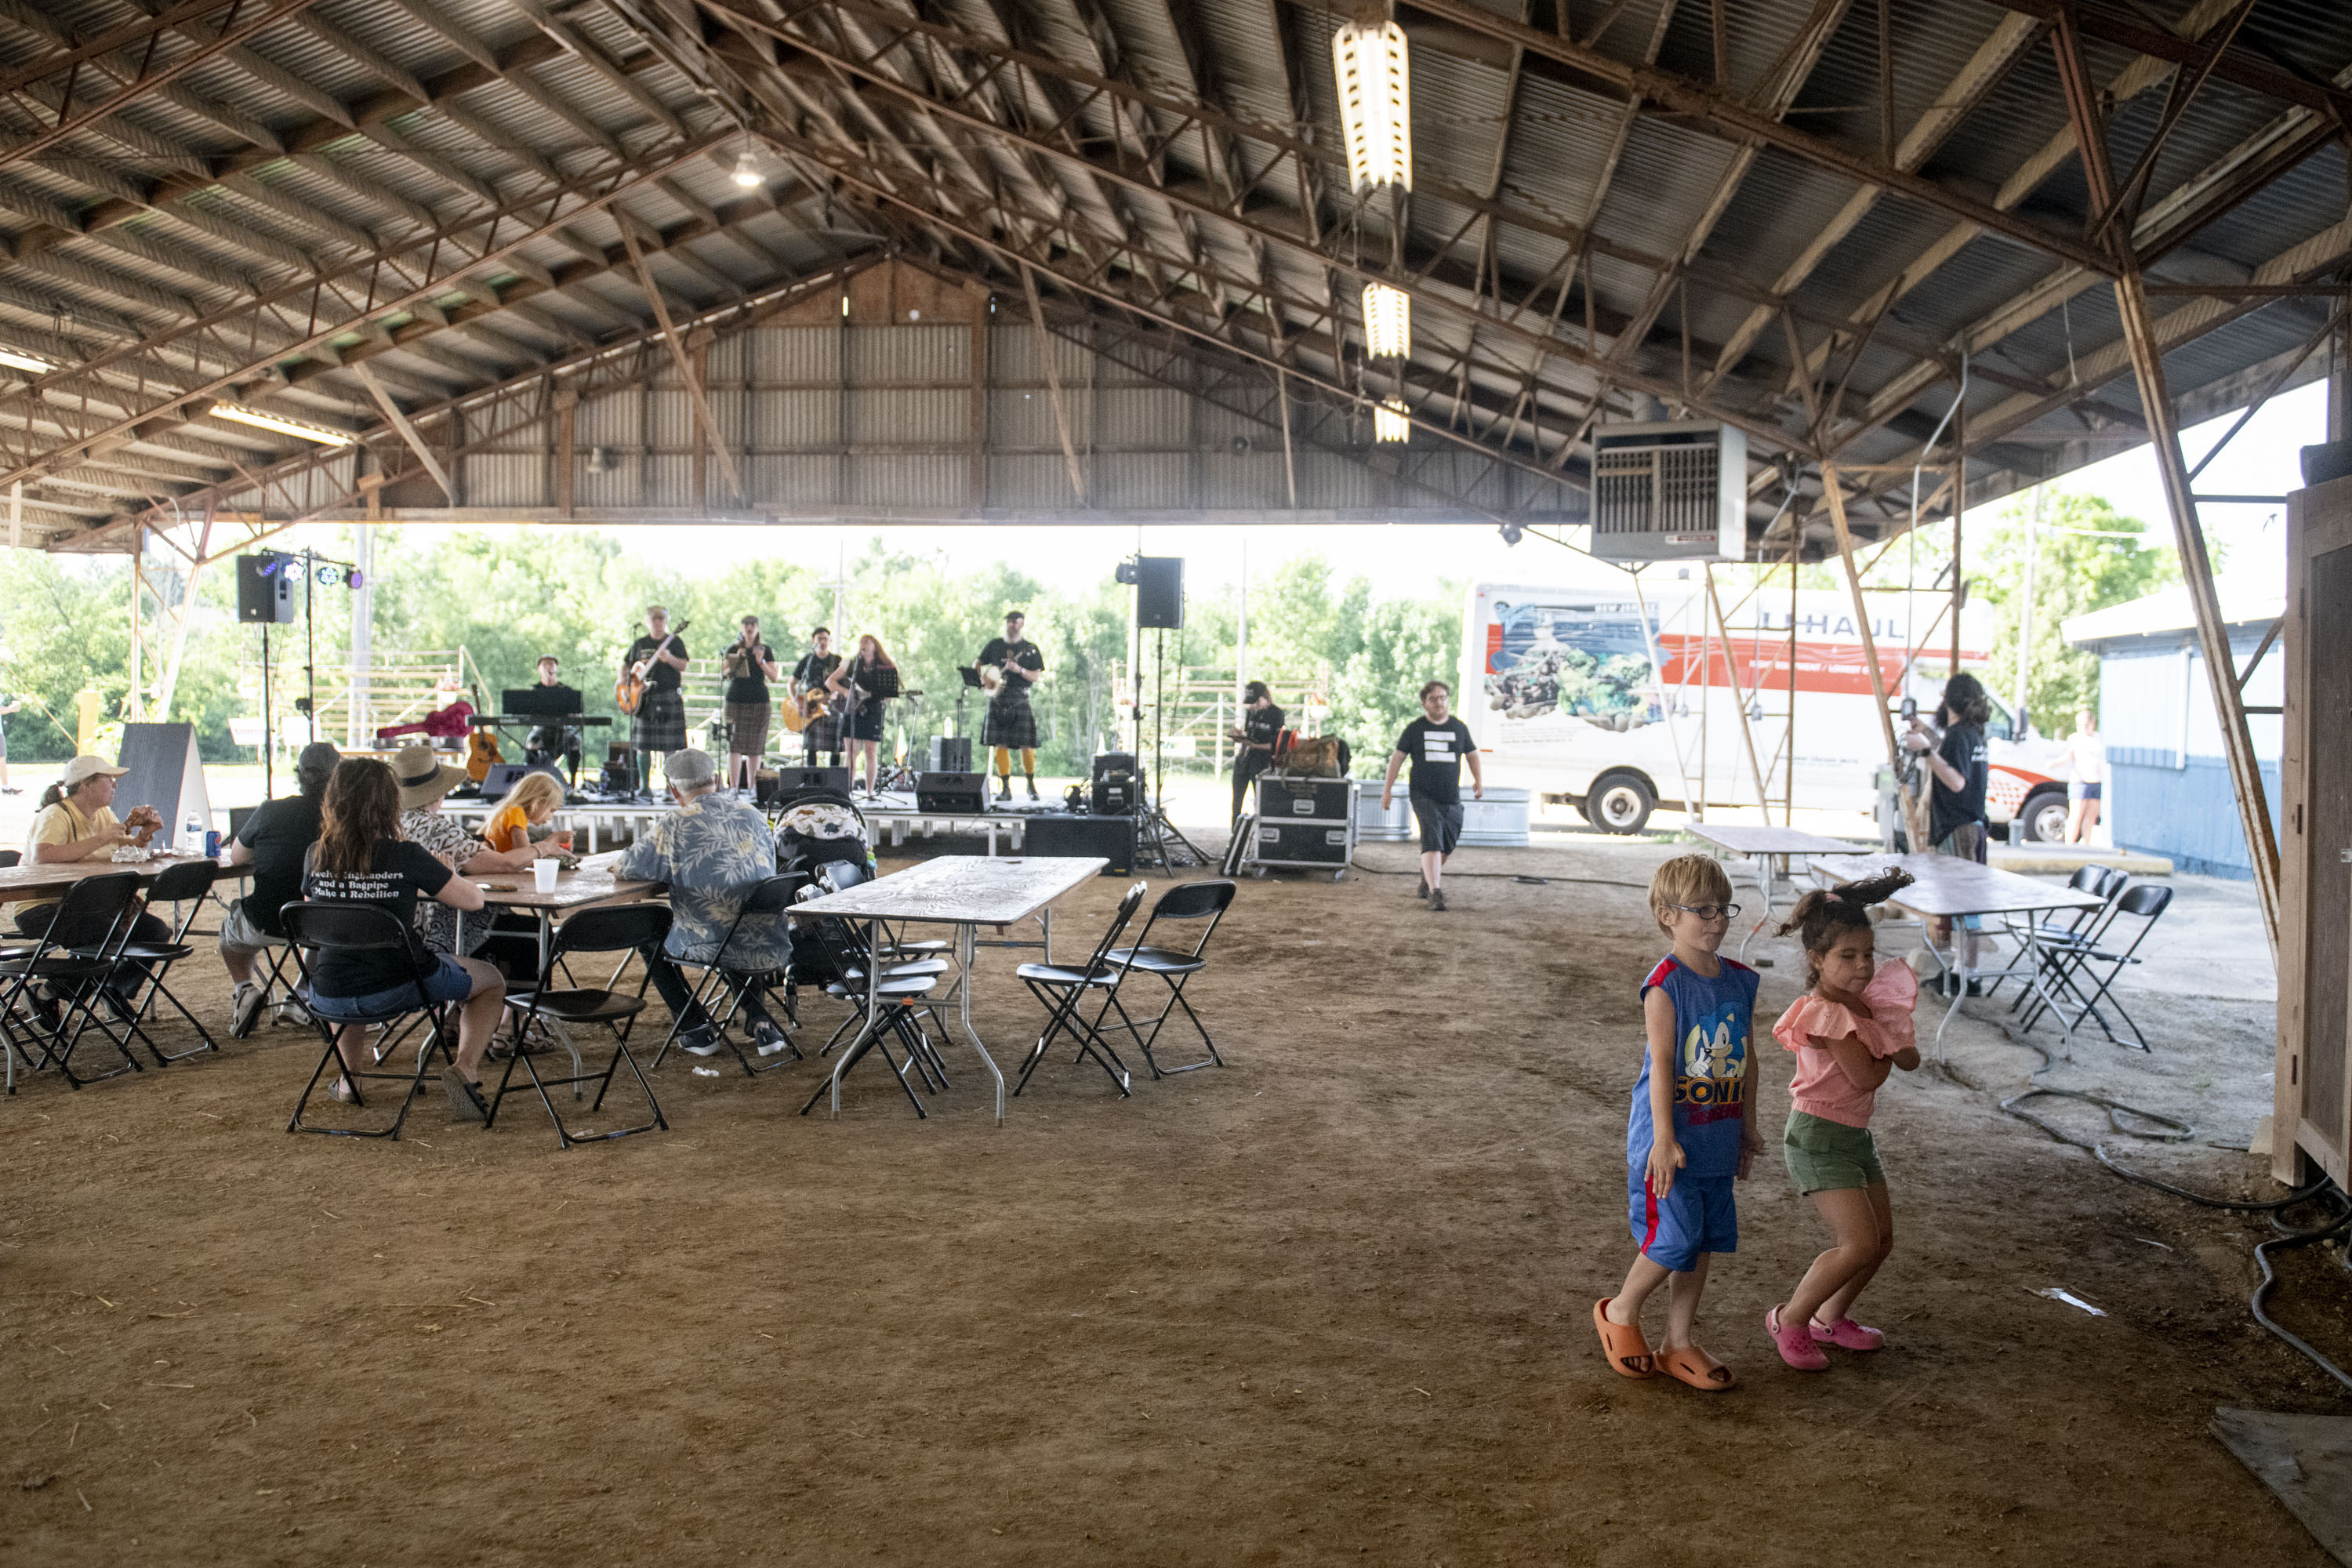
x=629 y=691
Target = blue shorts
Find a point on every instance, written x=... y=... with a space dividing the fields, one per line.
x=2073 y=791
x=448 y=982
x=1698 y=1214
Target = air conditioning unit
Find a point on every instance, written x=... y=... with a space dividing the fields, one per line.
x=1669 y=489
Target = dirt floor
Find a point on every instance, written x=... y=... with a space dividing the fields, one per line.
x=1331 y=1303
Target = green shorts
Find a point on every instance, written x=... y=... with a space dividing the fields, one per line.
x=1825 y=1155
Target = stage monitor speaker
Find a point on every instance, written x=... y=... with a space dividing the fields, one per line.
x=620 y=775
x=265 y=597
x=1061 y=835
x=952 y=791
x=1160 y=593
x=1114 y=763
x=951 y=754
x=793 y=782
x=500 y=781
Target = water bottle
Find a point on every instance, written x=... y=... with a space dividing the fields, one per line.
x=192 y=833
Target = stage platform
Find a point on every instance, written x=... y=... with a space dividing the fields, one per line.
x=892 y=818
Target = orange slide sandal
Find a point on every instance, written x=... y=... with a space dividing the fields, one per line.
x=1698 y=1369
x=1628 y=1351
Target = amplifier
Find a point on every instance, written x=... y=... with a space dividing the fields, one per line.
x=951 y=754
x=1061 y=835
x=1289 y=799
x=620 y=777
x=1113 y=794
x=952 y=790
x=1114 y=763
x=793 y=782
x=1301 y=843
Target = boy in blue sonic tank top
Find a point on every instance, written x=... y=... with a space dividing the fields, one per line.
x=1692 y=1129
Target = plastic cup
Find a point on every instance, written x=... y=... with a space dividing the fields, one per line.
x=543 y=875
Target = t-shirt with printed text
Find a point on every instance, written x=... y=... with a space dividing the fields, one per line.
x=1712 y=1019
x=1436 y=753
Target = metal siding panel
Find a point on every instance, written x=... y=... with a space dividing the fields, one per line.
x=1148 y=480
x=922 y=355
x=668 y=483
x=504 y=478
x=796 y=482
x=800 y=355
x=899 y=418
x=1146 y=417
x=913 y=481
x=1029 y=482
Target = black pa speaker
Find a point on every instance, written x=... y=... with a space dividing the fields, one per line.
x=951 y=754
x=952 y=792
x=793 y=782
x=265 y=588
x=1058 y=834
x=1160 y=593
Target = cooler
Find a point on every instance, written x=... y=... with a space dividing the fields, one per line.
x=1498 y=822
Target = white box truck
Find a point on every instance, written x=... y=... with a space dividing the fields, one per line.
x=1595 y=696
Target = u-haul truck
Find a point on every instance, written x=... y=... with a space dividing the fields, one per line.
x=1596 y=696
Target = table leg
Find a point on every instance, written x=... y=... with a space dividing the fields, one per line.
x=966 y=951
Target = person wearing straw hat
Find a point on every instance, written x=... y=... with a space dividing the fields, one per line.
x=76 y=822
x=424 y=781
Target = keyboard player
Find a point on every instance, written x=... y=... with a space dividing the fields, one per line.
x=548 y=743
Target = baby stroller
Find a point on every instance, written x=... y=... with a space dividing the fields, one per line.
x=824 y=829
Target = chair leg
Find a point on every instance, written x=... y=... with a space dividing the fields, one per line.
x=156 y=989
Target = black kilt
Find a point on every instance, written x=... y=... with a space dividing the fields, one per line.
x=824 y=734
x=660 y=723
x=865 y=723
x=1009 y=724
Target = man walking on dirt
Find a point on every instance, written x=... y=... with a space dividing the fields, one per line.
x=1437 y=745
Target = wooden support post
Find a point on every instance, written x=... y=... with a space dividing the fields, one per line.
x=2196 y=572
x=678 y=356
x=1913 y=823
x=1738 y=695
x=407 y=431
x=706 y=437
x=1053 y=384
x=976 y=426
x=1289 y=460
x=567 y=448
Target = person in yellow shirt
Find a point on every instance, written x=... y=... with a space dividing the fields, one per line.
x=76 y=823
x=530 y=804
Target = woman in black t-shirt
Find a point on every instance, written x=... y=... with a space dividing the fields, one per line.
x=1258 y=733
x=861 y=711
x=361 y=857
x=1956 y=799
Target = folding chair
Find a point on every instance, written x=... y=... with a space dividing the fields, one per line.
x=185 y=887
x=1061 y=988
x=2146 y=903
x=74 y=958
x=322 y=926
x=847 y=955
x=626 y=928
x=1185 y=901
x=767 y=899
x=2048 y=934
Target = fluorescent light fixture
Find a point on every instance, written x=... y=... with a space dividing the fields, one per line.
x=1388 y=321
x=1375 y=103
x=280 y=425
x=746 y=173
x=18 y=359
x=1391 y=421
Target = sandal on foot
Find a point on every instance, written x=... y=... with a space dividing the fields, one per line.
x=1794 y=1343
x=466 y=1101
x=344 y=1091
x=1847 y=1334
x=1628 y=1351
x=1692 y=1365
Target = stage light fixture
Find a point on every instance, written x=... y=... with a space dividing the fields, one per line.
x=329 y=576
x=18 y=359
x=1375 y=103
x=1388 y=321
x=280 y=425
x=1391 y=421
x=355 y=579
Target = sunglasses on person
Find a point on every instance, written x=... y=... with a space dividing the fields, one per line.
x=1709 y=911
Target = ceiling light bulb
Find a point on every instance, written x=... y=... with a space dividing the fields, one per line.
x=1375 y=103
x=18 y=359
x=280 y=425
x=1388 y=321
x=746 y=173
x=1391 y=421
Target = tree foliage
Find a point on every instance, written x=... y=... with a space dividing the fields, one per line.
x=2079 y=565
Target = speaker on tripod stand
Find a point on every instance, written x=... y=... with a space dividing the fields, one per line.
x=1159 y=584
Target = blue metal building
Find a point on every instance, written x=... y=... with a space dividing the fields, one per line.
x=2170 y=790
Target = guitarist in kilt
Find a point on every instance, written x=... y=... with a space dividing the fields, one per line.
x=1013 y=664
x=658 y=725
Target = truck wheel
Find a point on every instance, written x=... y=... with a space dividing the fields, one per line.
x=1619 y=802
x=2044 y=815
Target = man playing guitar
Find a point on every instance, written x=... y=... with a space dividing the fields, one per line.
x=810 y=678
x=657 y=659
x=1008 y=667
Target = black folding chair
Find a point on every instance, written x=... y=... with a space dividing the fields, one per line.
x=1061 y=988
x=321 y=926
x=185 y=887
x=2146 y=903
x=72 y=960
x=845 y=956
x=766 y=901
x=2050 y=935
x=1175 y=966
x=544 y=1012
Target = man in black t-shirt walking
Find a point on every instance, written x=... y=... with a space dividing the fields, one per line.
x=1259 y=731
x=1437 y=745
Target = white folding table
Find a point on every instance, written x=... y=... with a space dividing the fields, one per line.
x=1761 y=847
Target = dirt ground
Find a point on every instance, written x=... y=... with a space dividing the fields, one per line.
x=1331 y=1303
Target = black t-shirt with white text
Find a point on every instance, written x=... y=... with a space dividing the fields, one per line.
x=657 y=673
x=1436 y=752
x=1023 y=653
x=398 y=871
x=1963 y=752
x=1264 y=728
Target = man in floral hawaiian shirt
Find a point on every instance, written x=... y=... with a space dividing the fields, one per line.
x=712 y=851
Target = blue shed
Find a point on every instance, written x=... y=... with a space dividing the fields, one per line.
x=2169 y=792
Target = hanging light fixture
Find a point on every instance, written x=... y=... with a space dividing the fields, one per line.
x=1388 y=321
x=280 y=425
x=1375 y=103
x=18 y=359
x=746 y=173
x=1391 y=421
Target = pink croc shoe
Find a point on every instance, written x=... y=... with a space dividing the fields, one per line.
x=1795 y=1345
x=1847 y=1334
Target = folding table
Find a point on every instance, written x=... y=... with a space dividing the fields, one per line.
x=1761 y=846
x=966 y=892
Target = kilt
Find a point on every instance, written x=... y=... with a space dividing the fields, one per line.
x=865 y=723
x=1009 y=724
x=823 y=734
x=660 y=723
x=747 y=728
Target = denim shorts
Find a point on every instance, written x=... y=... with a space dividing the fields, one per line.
x=448 y=982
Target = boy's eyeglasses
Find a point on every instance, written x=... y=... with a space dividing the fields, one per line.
x=1709 y=911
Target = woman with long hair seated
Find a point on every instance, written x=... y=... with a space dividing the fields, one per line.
x=362 y=858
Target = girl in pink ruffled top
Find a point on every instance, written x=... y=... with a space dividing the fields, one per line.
x=1848 y=1030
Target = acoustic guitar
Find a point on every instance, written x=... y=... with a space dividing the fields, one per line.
x=481 y=744
x=629 y=691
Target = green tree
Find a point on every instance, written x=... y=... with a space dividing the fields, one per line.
x=2086 y=556
x=1399 y=645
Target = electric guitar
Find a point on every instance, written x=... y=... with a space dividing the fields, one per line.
x=629 y=691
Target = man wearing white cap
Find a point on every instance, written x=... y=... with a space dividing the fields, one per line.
x=712 y=851
x=76 y=822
